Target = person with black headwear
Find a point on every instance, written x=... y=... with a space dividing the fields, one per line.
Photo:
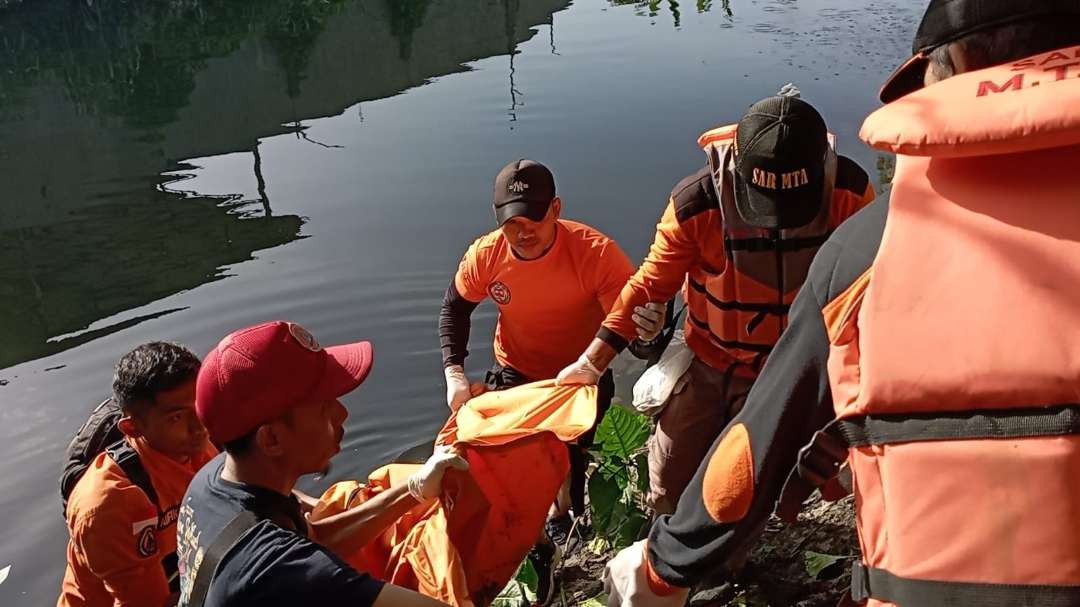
x=553 y=281
x=934 y=347
x=740 y=234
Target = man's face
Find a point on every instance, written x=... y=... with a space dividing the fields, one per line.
x=531 y=239
x=170 y=424
x=312 y=433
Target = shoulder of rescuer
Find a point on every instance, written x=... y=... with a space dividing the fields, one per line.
x=781 y=414
x=99 y=434
x=696 y=193
x=692 y=233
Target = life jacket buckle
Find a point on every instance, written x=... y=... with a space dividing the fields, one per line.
x=860 y=582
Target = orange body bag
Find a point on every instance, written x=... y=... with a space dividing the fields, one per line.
x=463 y=548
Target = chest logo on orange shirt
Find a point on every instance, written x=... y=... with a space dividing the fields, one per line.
x=147 y=543
x=499 y=292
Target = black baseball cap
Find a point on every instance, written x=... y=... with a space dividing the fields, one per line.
x=780 y=147
x=523 y=188
x=946 y=21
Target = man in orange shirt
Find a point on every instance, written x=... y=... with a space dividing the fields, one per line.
x=739 y=234
x=122 y=549
x=553 y=280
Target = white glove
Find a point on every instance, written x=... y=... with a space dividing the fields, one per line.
x=649 y=320
x=426 y=483
x=580 y=372
x=457 y=387
x=626 y=584
x=789 y=90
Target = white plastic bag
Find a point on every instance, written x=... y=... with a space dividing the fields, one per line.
x=654 y=387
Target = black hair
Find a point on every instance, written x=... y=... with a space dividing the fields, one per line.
x=1009 y=42
x=242 y=445
x=150 y=369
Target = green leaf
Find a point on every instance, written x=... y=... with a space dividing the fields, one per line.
x=511 y=596
x=604 y=494
x=629 y=528
x=824 y=566
x=621 y=434
x=4 y=573
x=599 y=545
x=599 y=600
x=528 y=577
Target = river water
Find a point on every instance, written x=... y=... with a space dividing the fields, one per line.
x=176 y=170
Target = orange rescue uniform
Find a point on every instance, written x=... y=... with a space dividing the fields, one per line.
x=948 y=330
x=119 y=539
x=734 y=311
x=550 y=307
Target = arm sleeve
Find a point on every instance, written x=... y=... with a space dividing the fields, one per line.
x=455 y=322
x=661 y=275
x=111 y=551
x=466 y=291
x=613 y=269
x=790 y=401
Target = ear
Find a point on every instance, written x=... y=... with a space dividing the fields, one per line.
x=129 y=427
x=556 y=207
x=268 y=441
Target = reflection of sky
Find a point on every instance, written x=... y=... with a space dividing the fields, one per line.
x=615 y=113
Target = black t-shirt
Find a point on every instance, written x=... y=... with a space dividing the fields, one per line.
x=271 y=564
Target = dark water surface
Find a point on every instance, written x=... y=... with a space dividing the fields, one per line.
x=180 y=169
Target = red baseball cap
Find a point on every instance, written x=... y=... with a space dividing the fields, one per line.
x=257 y=374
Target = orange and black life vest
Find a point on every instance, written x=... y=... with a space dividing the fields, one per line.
x=954 y=359
x=738 y=281
x=744 y=304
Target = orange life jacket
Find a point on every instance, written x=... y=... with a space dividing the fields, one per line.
x=465 y=547
x=751 y=295
x=955 y=360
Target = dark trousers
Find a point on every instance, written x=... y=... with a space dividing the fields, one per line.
x=500 y=378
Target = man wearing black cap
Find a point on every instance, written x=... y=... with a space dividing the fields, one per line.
x=553 y=281
x=740 y=233
x=934 y=347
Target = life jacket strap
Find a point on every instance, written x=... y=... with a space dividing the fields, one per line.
x=761 y=244
x=820 y=460
x=226 y=539
x=128 y=460
x=742 y=306
x=727 y=343
x=1057 y=420
x=872 y=583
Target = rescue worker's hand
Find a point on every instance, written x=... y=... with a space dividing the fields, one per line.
x=426 y=483
x=627 y=584
x=457 y=387
x=649 y=320
x=580 y=372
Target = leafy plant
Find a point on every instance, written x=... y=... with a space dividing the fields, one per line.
x=824 y=566
x=618 y=483
x=520 y=591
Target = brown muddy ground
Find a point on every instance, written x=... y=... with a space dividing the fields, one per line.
x=775 y=574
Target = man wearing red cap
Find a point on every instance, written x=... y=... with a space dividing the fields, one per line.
x=269 y=395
